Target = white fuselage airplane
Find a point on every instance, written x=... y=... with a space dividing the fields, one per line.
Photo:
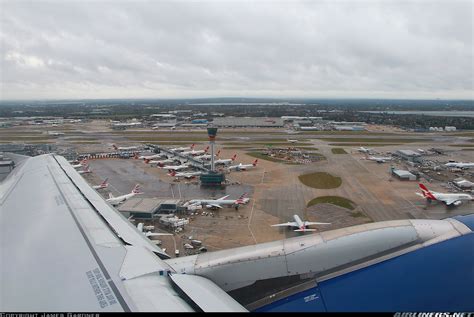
x=364 y=150
x=207 y=156
x=194 y=153
x=81 y=164
x=85 y=170
x=180 y=149
x=124 y=148
x=102 y=185
x=151 y=157
x=292 y=141
x=114 y=201
x=225 y=161
x=160 y=162
x=243 y=167
x=448 y=199
x=184 y=175
x=175 y=167
x=300 y=224
x=379 y=159
x=459 y=165
x=218 y=203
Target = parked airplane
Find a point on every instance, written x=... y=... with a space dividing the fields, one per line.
x=174 y=167
x=218 y=203
x=189 y=175
x=459 y=165
x=159 y=162
x=383 y=255
x=207 y=156
x=378 y=159
x=194 y=153
x=85 y=170
x=140 y=228
x=226 y=161
x=449 y=199
x=124 y=148
x=300 y=224
x=463 y=183
x=81 y=164
x=364 y=150
x=114 y=201
x=102 y=185
x=292 y=141
x=151 y=157
x=243 y=167
x=180 y=149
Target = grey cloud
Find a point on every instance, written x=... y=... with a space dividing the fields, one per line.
x=105 y=49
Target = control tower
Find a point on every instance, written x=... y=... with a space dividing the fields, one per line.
x=212 y=178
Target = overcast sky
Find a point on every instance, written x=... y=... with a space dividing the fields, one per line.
x=180 y=49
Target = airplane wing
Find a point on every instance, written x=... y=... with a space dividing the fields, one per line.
x=114 y=267
x=222 y=198
x=214 y=205
x=286 y=224
x=309 y=223
x=452 y=201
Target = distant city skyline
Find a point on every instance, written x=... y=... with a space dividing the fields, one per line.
x=251 y=49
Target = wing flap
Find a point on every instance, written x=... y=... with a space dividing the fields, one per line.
x=204 y=294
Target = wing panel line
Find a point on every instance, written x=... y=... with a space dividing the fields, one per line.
x=94 y=253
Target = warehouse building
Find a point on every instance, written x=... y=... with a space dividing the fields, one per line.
x=409 y=155
x=148 y=208
x=404 y=175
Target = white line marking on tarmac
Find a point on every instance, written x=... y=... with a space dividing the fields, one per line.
x=251 y=211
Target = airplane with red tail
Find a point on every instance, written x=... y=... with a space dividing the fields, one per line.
x=449 y=199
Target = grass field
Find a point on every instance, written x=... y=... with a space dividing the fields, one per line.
x=203 y=132
x=338 y=150
x=168 y=139
x=349 y=133
x=320 y=180
x=269 y=158
x=272 y=144
x=364 y=144
x=27 y=139
x=334 y=200
x=460 y=134
x=85 y=142
x=462 y=145
x=373 y=140
x=18 y=133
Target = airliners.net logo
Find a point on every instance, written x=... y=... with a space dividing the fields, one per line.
x=434 y=315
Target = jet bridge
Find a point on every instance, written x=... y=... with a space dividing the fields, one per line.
x=193 y=162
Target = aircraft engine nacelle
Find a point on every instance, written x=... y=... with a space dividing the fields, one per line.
x=457 y=203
